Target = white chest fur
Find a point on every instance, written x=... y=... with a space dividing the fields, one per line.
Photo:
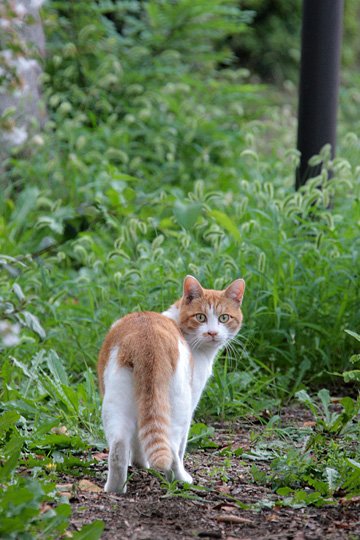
x=203 y=363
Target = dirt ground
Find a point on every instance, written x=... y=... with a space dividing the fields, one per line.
x=148 y=512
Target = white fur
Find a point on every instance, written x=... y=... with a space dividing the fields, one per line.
x=172 y=313
x=181 y=411
x=119 y=420
x=119 y=415
x=119 y=406
x=203 y=347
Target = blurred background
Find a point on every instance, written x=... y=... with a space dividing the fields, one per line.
x=145 y=140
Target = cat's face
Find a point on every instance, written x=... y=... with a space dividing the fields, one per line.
x=208 y=318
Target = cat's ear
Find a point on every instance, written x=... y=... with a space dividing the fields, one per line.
x=235 y=291
x=192 y=289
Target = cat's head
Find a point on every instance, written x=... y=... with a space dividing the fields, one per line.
x=209 y=318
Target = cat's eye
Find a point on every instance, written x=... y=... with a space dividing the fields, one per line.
x=224 y=318
x=200 y=317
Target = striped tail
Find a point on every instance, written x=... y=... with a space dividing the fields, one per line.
x=152 y=392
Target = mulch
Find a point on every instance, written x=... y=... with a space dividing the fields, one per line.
x=149 y=512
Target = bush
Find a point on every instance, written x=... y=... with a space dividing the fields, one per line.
x=271 y=46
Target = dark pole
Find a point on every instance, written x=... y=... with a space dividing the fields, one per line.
x=319 y=81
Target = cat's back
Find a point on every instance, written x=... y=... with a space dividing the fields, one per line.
x=141 y=340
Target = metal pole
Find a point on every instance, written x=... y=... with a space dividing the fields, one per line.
x=319 y=81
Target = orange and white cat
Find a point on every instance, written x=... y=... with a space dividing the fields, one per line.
x=152 y=370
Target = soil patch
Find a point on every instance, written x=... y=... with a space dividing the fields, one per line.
x=149 y=512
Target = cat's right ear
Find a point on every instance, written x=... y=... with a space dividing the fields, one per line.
x=192 y=289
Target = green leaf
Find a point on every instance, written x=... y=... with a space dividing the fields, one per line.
x=187 y=214
x=26 y=202
x=18 y=291
x=324 y=396
x=353 y=375
x=56 y=368
x=200 y=434
x=332 y=476
x=12 y=451
x=304 y=397
x=7 y=420
x=353 y=334
x=33 y=323
x=355 y=358
x=226 y=223
x=93 y=531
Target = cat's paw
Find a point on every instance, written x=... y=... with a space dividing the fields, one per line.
x=112 y=488
x=186 y=477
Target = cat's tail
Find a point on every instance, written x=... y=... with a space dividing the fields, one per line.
x=152 y=392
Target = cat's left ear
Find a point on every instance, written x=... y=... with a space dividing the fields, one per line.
x=192 y=289
x=236 y=290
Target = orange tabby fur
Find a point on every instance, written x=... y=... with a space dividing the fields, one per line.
x=155 y=367
x=149 y=346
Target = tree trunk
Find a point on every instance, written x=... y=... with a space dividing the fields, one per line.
x=22 y=44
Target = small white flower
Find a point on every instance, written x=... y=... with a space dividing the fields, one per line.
x=38 y=140
x=7 y=55
x=4 y=23
x=25 y=64
x=16 y=136
x=9 y=333
x=20 y=9
x=36 y=4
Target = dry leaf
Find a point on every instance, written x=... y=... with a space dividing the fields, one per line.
x=224 y=489
x=309 y=423
x=65 y=490
x=61 y=430
x=86 y=485
x=271 y=517
x=100 y=456
x=223 y=518
x=351 y=500
x=64 y=487
x=227 y=508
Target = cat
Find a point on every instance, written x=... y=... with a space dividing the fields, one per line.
x=152 y=370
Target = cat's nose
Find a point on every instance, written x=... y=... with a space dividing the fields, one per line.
x=212 y=333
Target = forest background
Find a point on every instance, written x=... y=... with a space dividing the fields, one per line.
x=168 y=148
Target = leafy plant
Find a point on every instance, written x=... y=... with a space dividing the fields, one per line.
x=30 y=506
x=157 y=162
x=354 y=374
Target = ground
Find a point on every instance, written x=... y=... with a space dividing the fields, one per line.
x=150 y=512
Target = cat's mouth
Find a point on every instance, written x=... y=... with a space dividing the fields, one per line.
x=213 y=340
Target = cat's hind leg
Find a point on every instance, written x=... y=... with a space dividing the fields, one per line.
x=138 y=457
x=119 y=420
x=118 y=466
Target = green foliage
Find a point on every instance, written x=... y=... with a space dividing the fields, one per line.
x=200 y=436
x=155 y=164
x=324 y=464
x=353 y=374
x=30 y=506
x=271 y=45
